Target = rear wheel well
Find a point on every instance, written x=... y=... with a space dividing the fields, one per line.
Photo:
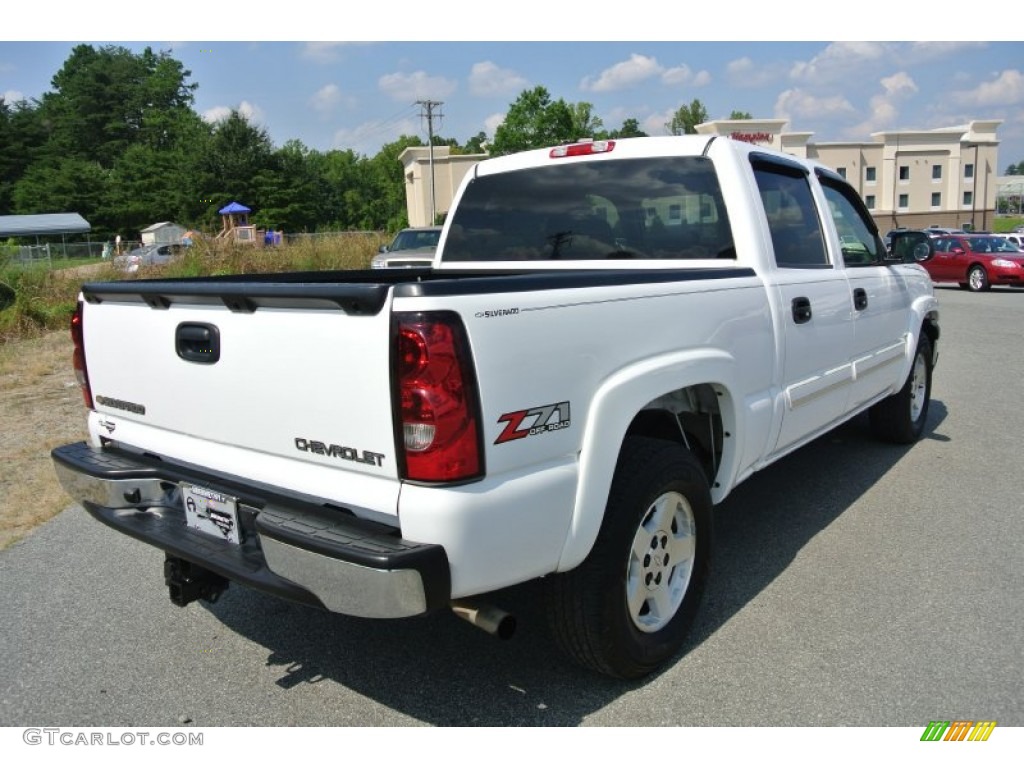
x=689 y=416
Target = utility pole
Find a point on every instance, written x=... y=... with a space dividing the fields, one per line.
x=428 y=112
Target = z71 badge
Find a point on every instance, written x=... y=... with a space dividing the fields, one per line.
x=533 y=421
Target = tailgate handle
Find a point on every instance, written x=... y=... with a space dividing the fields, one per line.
x=197 y=342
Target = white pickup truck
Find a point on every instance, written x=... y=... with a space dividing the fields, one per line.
x=612 y=336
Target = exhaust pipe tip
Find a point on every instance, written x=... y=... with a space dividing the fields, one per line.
x=489 y=618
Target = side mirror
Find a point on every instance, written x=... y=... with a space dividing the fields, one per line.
x=910 y=248
x=382 y=249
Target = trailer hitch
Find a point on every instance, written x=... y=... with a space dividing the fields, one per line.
x=188 y=581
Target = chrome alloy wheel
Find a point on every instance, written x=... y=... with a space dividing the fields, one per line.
x=918 y=387
x=660 y=562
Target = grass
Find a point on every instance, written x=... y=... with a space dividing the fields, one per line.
x=37 y=299
x=40 y=407
x=1004 y=224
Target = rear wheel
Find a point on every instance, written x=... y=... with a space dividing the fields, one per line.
x=627 y=608
x=901 y=418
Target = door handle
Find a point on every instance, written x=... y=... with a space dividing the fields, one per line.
x=801 y=310
x=860 y=299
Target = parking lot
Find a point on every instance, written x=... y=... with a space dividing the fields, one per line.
x=855 y=584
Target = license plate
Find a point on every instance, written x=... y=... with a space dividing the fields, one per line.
x=211 y=512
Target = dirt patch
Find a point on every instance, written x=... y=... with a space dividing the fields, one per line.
x=40 y=408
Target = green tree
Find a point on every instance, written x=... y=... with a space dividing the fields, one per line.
x=737 y=115
x=1015 y=169
x=65 y=184
x=232 y=161
x=21 y=135
x=630 y=128
x=533 y=120
x=687 y=118
x=385 y=208
x=106 y=99
x=475 y=145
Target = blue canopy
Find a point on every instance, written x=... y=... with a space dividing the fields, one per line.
x=234 y=207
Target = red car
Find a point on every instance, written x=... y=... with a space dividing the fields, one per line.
x=976 y=262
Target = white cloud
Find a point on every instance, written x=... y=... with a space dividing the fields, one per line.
x=402 y=86
x=1004 y=90
x=12 y=96
x=884 y=107
x=683 y=75
x=246 y=109
x=321 y=52
x=800 y=107
x=838 y=62
x=899 y=85
x=624 y=74
x=491 y=123
x=745 y=73
x=654 y=124
x=326 y=99
x=488 y=79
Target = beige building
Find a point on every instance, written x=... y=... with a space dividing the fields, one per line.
x=449 y=170
x=944 y=177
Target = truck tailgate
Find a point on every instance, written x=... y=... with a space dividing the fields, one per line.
x=286 y=371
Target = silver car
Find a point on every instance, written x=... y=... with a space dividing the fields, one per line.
x=412 y=247
x=147 y=255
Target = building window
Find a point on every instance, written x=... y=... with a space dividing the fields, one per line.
x=936 y=173
x=869 y=174
x=969 y=171
x=904 y=201
x=869 y=201
x=904 y=173
x=936 y=199
x=968 y=198
x=841 y=170
x=675 y=212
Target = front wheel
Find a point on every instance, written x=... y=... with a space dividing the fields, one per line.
x=627 y=608
x=977 y=279
x=901 y=418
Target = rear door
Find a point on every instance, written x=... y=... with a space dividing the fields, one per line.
x=814 y=302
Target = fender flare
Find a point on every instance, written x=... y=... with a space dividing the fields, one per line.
x=616 y=401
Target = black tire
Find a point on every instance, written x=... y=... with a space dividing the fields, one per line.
x=901 y=417
x=977 y=279
x=659 y=491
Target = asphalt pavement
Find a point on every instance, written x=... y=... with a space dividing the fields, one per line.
x=854 y=584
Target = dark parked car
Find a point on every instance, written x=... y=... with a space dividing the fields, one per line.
x=413 y=247
x=975 y=262
x=147 y=255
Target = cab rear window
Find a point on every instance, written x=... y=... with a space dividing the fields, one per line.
x=650 y=208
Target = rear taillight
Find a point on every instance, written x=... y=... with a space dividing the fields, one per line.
x=78 y=358
x=435 y=399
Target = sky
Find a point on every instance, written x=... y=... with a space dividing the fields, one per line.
x=361 y=94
